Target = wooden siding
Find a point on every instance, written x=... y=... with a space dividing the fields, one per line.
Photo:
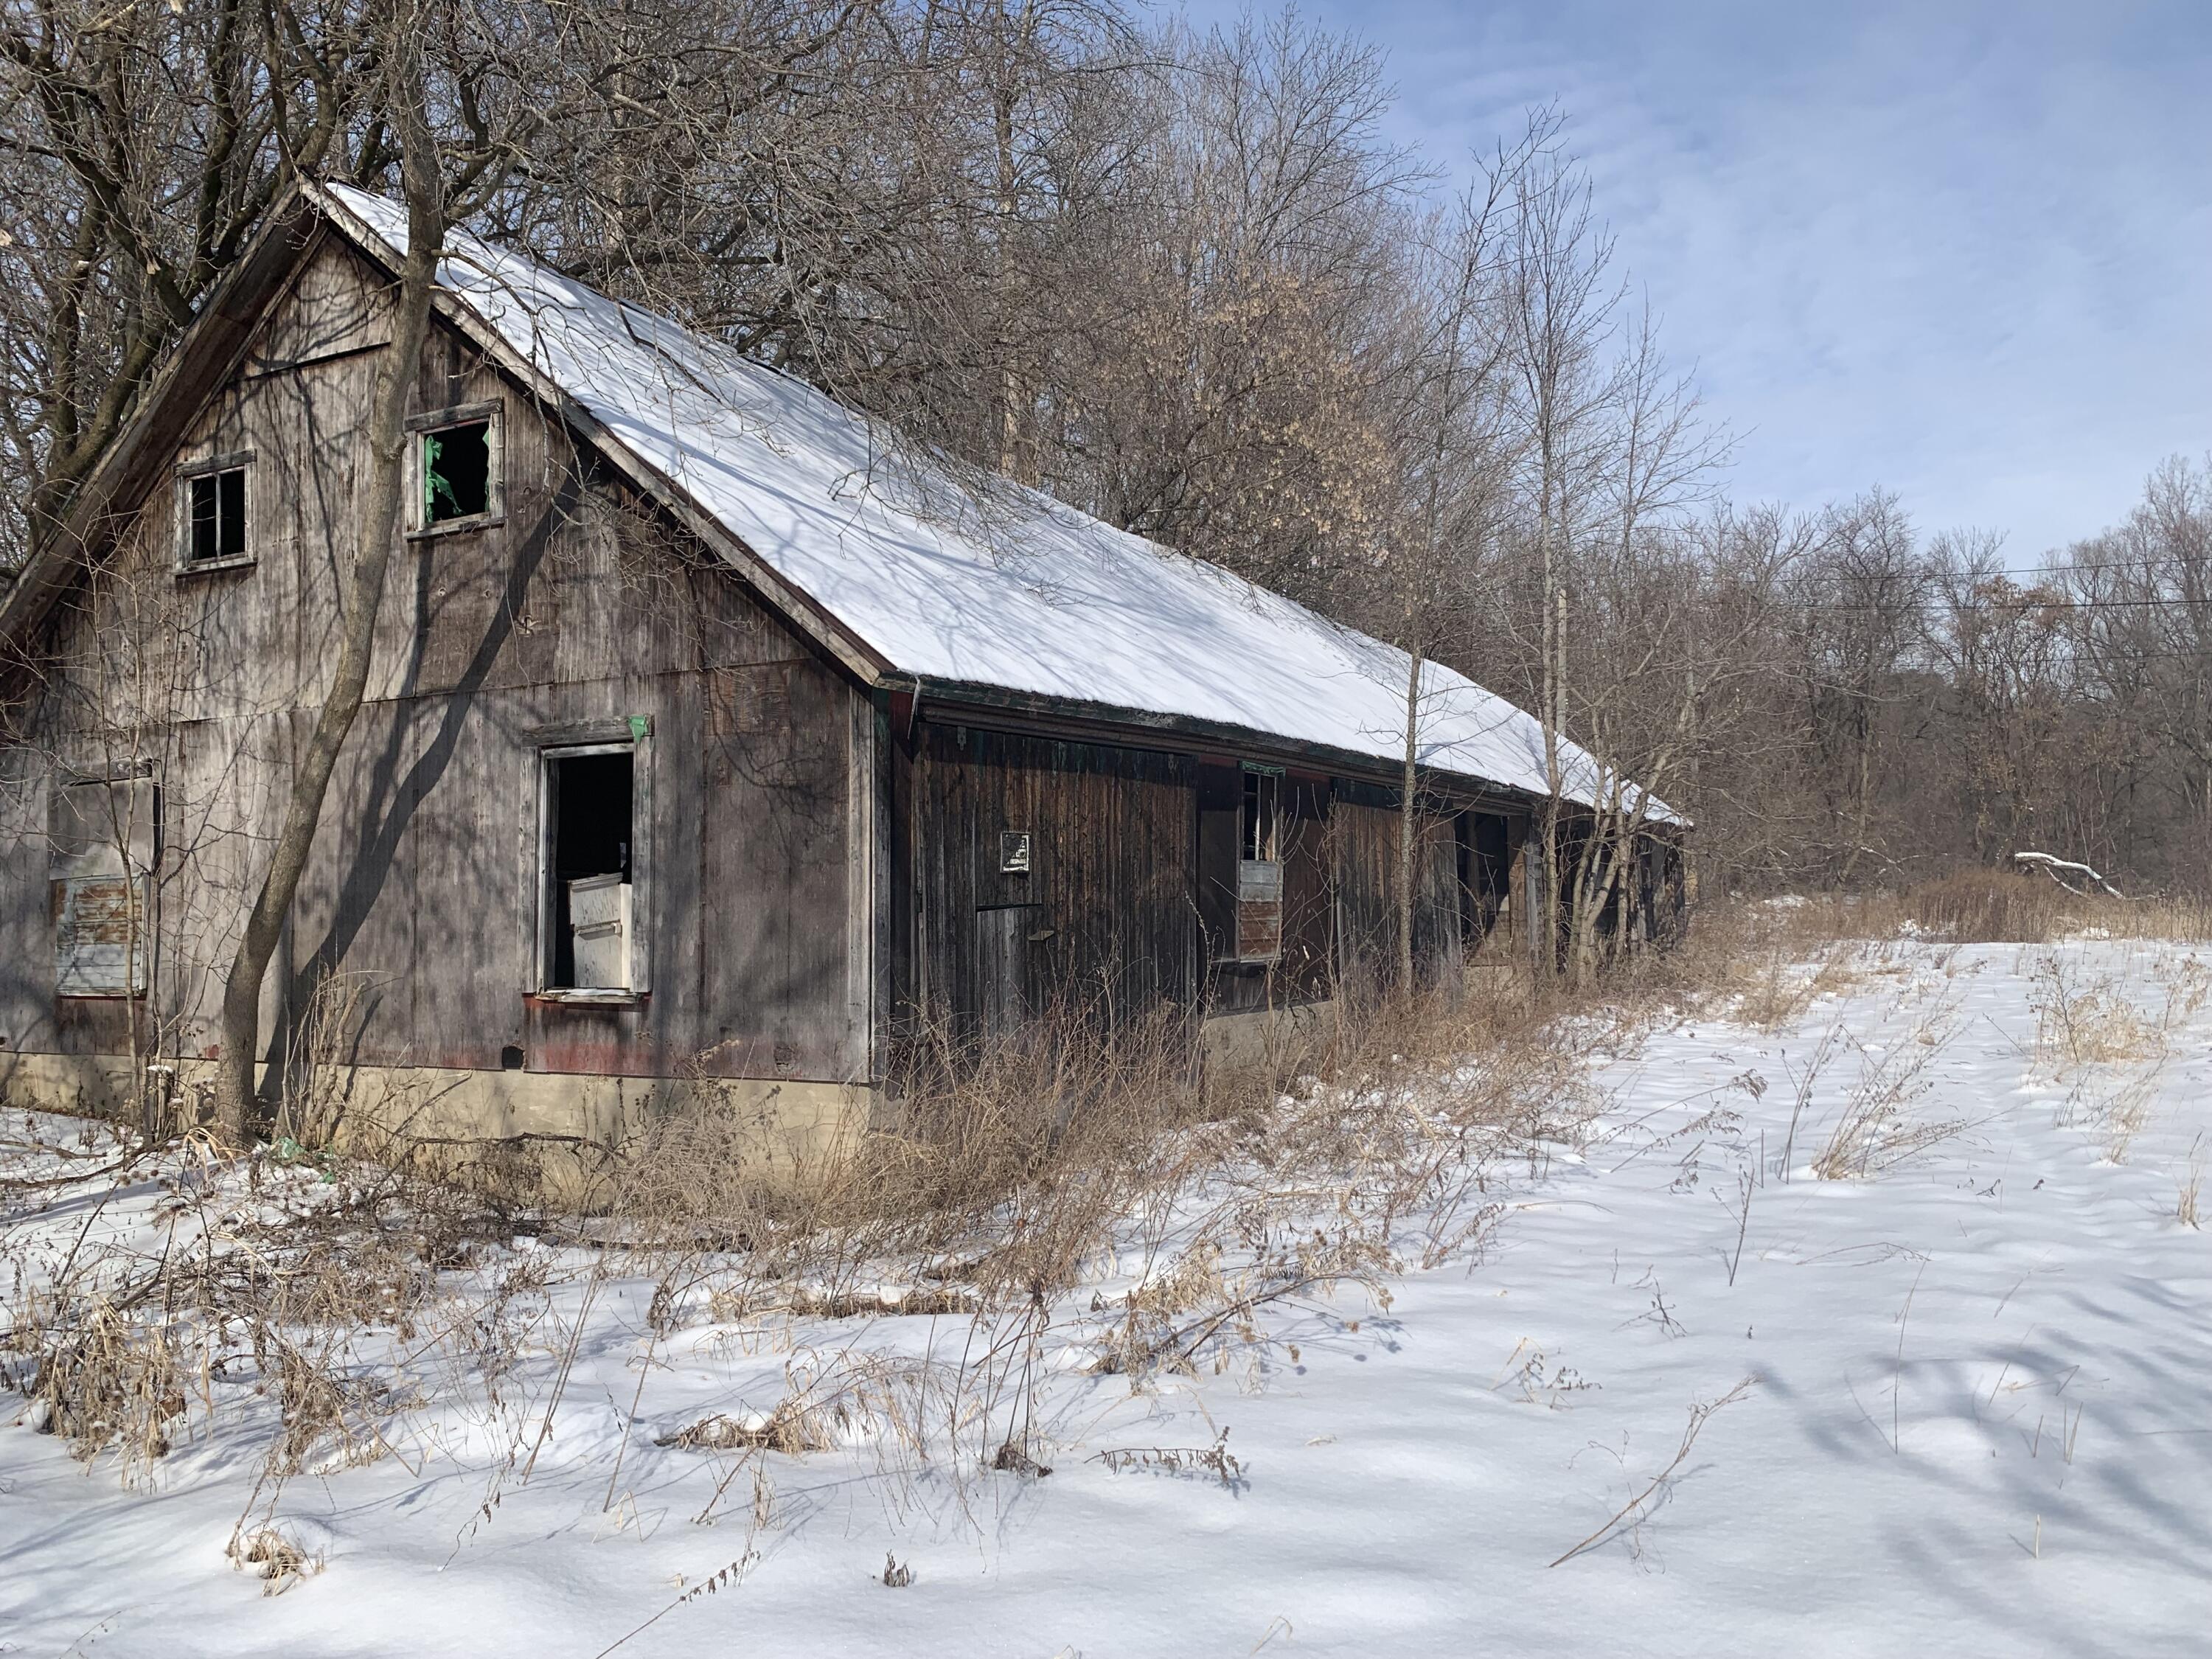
x=1363 y=832
x=582 y=605
x=1103 y=914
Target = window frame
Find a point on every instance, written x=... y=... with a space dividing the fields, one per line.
x=1260 y=880
x=188 y=473
x=1265 y=837
x=632 y=735
x=493 y=413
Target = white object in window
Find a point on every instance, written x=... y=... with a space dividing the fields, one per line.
x=589 y=915
x=599 y=928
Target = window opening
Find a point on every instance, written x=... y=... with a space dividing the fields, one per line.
x=589 y=801
x=457 y=472
x=218 y=515
x=1261 y=794
x=1258 y=869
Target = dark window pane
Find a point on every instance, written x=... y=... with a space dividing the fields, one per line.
x=204 y=542
x=230 y=516
x=1260 y=811
x=590 y=800
x=457 y=472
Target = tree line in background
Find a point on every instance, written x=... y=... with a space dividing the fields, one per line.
x=1178 y=278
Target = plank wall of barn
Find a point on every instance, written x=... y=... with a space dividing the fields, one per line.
x=1129 y=896
x=580 y=610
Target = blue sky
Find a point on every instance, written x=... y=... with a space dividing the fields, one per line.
x=1963 y=250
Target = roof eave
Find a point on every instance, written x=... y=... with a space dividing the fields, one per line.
x=978 y=703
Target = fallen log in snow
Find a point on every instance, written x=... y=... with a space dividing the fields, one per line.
x=2051 y=865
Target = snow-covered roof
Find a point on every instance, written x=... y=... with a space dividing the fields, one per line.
x=1023 y=593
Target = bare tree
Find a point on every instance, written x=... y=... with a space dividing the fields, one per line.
x=1564 y=305
x=140 y=147
x=1645 y=659
x=1454 y=432
x=428 y=196
x=1859 y=609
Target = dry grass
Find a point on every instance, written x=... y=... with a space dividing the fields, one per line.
x=2002 y=907
x=993 y=1180
x=269 y=1301
x=1877 y=1127
x=791 y=1429
x=2112 y=1037
x=111 y=1379
x=1969 y=907
x=998 y=1178
x=995 y=1173
x=276 y=1554
x=1983 y=907
x=2082 y=1021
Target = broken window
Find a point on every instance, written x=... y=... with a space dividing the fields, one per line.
x=213 y=503
x=457 y=472
x=590 y=795
x=103 y=838
x=1260 y=869
x=1485 y=849
x=1262 y=791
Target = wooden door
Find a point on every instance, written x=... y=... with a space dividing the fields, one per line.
x=1002 y=954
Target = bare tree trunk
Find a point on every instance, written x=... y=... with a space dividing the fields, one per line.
x=364 y=592
x=1408 y=822
x=1555 y=696
x=1012 y=42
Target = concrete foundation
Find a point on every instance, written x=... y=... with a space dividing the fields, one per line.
x=1263 y=1035
x=569 y=1128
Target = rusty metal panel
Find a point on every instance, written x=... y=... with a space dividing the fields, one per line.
x=595 y=1040
x=1259 y=910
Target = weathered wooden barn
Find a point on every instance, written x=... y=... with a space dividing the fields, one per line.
x=709 y=733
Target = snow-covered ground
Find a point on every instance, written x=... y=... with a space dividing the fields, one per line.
x=1978 y=1417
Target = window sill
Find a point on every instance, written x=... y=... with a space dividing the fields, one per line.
x=457 y=526
x=210 y=567
x=582 y=998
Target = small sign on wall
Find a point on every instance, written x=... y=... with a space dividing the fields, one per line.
x=1014 y=852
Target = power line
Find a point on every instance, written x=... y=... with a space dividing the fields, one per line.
x=2056 y=602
